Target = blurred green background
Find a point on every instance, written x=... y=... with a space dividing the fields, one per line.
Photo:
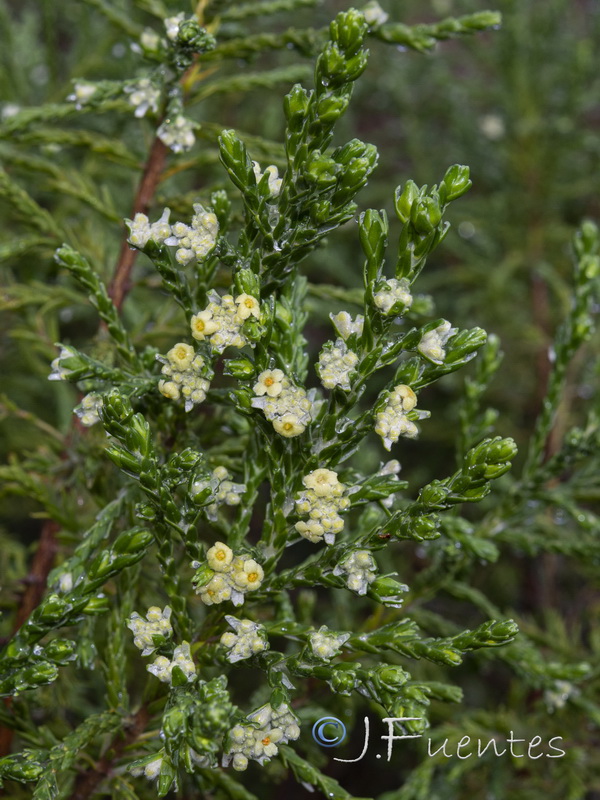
x=520 y=106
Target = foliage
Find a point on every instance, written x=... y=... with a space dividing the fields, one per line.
x=223 y=471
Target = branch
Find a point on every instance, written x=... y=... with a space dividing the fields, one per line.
x=87 y=782
x=120 y=284
x=32 y=596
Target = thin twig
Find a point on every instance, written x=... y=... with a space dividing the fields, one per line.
x=87 y=782
x=32 y=596
x=121 y=284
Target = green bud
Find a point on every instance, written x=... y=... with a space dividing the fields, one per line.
x=348 y=29
x=37 y=675
x=133 y=541
x=295 y=107
x=404 y=200
x=53 y=608
x=426 y=214
x=320 y=211
x=434 y=495
x=241 y=368
x=97 y=605
x=343 y=681
x=61 y=651
x=388 y=591
x=202 y=575
x=456 y=183
x=321 y=170
x=247 y=282
x=389 y=677
x=331 y=107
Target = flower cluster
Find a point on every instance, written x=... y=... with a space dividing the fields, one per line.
x=150 y=767
x=432 y=343
x=82 y=93
x=393 y=292
x=326 y=644
x=287 y=406
x=249 y=638
x=274 y=181
x=359 y=568
x=258 y=740
x=177 y=133
x=223 y=490
x=322 y=501
x=143 y=95
x=157 y=623
x=227 y=577
x=163 y=667
x=195 y=240
x=222 y=319
x=141 y=230
x=172 y=25
x=346 y=326
x=336 y=363
x=182 y=369
x=88 y=410
x=60 y=372
x=392 y=421
x=375 y=16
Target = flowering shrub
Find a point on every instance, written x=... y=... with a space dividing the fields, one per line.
x=238 y=479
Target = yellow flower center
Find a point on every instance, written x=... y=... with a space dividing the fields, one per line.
x=266 y=741
x=269 y=381
x=220 y=555
x=249 y=302
x=252 y=577
x=200 y=325
x=287 y=426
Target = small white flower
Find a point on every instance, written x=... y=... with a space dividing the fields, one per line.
x=393 y=291
x=324 y=483
x=9 y=110
x=143 y=96
x=172 y=25
x=59 y=371
x=346 y=326
x=150 y=40
x=249 y=638
x=274 y=181
x=65 y=582
x=152 y=769
x=432 y=344
x=336 y=364
x=162 y=667
x=177 y=134
x=141 y=230
x=219 y=557
x=88 y=410
x=391 y=421
x=326 y=644
x=269 y=382
x=157 y=623
x=247 y=574
x=194 y=241
x=375 y=16
x=247 y=306
x=82 y=93
x=360 y=570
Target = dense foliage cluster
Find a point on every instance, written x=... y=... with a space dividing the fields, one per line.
x=227 y=547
